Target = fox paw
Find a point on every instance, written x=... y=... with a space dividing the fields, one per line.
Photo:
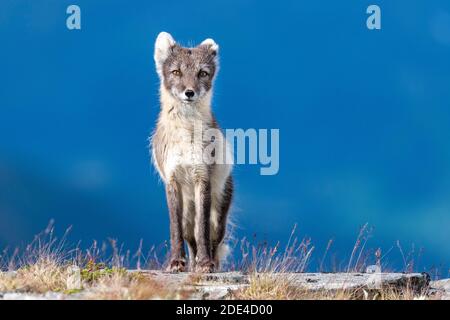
x=177 y=265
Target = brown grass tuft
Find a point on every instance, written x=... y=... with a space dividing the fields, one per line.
x=42 y=276
x=267 y=287
x=127 y=287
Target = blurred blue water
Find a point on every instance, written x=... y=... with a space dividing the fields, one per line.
x=364 y=118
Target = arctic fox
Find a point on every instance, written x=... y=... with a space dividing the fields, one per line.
x=198 y=193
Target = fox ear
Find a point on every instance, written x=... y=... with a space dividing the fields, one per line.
x=164 y=42
x=212 y=45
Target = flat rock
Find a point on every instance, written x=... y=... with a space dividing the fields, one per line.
x=32 y=296
x=212 y=286
x=441 y=284
x=440 y=289
x=222 y=285
x=348 y=281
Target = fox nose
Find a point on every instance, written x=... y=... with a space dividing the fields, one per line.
x=189 y=93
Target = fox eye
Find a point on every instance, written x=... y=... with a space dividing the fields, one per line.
x=176 y=73
x=203 y=74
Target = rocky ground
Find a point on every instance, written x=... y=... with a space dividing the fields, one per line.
x=228 y=285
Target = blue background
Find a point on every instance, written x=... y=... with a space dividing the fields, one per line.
x=364 y=119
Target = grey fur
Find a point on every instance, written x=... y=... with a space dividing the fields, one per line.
x=190 y=62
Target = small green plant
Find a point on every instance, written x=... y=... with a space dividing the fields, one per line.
x=72 y=291
x=94 y=271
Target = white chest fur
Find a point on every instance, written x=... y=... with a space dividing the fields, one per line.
x=182 y=142
x=184 y=150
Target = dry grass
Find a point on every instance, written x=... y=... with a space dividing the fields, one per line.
x=42 y=276
x=263 y=258
x=47 y=265
x=112 y=284
x=267 y=287
x=262 y=262
x=126 y=287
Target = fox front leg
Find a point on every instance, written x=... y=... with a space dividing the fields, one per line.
x=177 y=254
x=202 y=225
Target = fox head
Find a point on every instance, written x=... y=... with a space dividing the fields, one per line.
x=186 y=73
